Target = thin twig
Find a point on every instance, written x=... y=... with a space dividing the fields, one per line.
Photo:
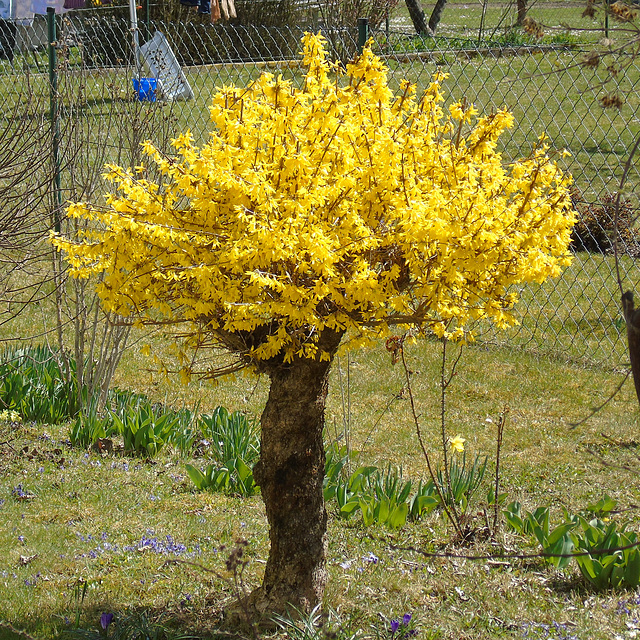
x=17 y=632
x=611 y=465
x=197 y=565
x=496 y=511
x=444 y=385
x=515 y=556
x=416 y=422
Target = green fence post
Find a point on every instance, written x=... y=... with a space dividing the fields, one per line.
x=363 y=33
x=53 y=114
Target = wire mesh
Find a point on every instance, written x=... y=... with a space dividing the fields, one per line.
x=104 y=120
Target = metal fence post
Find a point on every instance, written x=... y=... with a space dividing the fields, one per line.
x=363 y=33
x=54 y=115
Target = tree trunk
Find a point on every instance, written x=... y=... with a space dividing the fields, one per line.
x=436 y=15
x=521 y=7
x=417 y=16
x=632 y=319
x=290 y=473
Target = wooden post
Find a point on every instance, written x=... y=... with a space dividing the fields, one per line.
x=632 y=318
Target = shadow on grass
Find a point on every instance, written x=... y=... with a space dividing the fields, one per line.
x=98 y=622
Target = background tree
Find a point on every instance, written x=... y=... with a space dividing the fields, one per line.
x=521 y=12
x=315 y=217
x=26 y=175
x=419 y=19
x=90 y=339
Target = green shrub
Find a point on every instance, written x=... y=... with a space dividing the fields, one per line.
x=234 y=445
x=33 y=383
x=424 y=501
x=235 y=478
x=88 y=428
x=381 y=497
x=145 y=428
x=536 y=523
x=464 y=481
x=231 y=435
x=619 y=567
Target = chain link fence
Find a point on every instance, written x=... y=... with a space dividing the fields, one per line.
x=102 y=119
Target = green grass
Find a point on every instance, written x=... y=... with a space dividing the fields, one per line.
x=80 y=498
x=576 y=316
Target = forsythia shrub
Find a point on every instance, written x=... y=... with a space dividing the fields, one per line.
x=338 y=205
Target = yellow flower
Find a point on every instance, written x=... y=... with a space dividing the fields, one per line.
x=338 y=205
x=457 y=443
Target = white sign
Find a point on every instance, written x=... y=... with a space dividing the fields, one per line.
x=164 y=66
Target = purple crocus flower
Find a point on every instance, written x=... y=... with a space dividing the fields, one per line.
x=406 y=619
x=105 y=620
x=395 y=625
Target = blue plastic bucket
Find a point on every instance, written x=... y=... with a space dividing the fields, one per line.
x=145 y=89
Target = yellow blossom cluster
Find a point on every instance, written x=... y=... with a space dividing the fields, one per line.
x=338 y=205
x=9 y=415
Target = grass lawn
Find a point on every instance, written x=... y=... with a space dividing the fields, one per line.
x=94 y=532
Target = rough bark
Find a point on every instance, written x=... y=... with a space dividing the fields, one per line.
x=417 y=17
x=436 y=15
x=632 y=319
x=521 y=6
x=290 y=473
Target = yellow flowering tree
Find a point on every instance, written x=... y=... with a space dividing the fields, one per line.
x=312 y=216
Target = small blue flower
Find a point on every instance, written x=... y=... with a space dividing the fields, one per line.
x=105 y=620
x=31 y=582
x=395 y=625
x=19 y=492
